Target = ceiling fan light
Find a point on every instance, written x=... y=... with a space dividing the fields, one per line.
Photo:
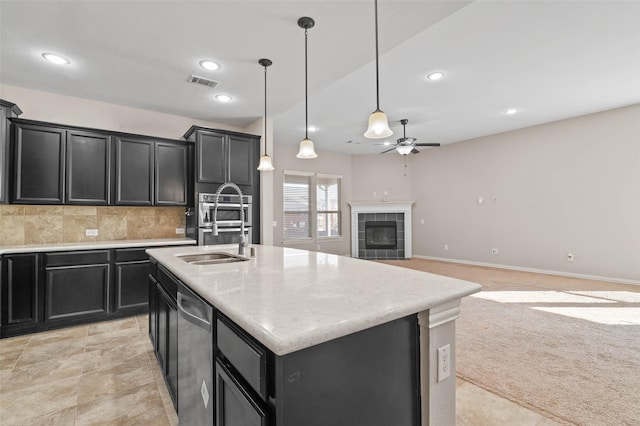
x=378 y=126
x=404 y=149
x=265 y=164
x=306 y=150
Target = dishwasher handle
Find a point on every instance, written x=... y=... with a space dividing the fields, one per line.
x=202 y=322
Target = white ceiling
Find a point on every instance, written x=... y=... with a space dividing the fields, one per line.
x=549 y=59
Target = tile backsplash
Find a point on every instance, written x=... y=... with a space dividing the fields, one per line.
x=27 y=224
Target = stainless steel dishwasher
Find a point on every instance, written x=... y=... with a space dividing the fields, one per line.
x=195 y=359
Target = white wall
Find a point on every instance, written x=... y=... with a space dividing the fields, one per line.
x=380 y=173
x=73 y=111
x=569 y=186
x=284 y=158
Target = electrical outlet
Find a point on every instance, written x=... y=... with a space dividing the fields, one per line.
x=421 y=221
x=444 y=362
x=180 y=231
x=274 y=224
x=91 y=232
x=446 y=246
x=494 y=251
x=570 y=257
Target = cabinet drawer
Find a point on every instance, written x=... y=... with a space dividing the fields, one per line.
x=131 y=255
x=245 y=355
x=167 y=282
x=69 y=258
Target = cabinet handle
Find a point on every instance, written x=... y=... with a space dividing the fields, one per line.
x=204 y=322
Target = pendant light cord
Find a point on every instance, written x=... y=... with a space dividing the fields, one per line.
x=265 y=110
x=306 y=95
x=377 y=78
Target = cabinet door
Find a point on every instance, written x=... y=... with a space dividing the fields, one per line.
x=134 y=172
x=88 y=168
x=171 y=174
x=39 y=164
x=73 y=291
x=132 y=290
x=172 y=351
x=19 y=289
x=241 y=160
x=167 y=341
x=211 y=157
x=234 y=405
x=153 y=312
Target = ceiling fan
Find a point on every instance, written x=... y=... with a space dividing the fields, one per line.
x=406 y=145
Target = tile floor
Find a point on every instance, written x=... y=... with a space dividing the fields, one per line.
x=107 y=373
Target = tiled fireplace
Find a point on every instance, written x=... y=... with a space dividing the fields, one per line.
x=381 y=231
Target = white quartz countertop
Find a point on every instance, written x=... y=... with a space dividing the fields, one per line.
x=94 y=245
x=291 y=299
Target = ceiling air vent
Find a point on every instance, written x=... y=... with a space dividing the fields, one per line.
x=203 y=81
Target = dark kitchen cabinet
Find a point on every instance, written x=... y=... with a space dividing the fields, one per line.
x=39 y=164
x=165 y=326
x=134 y=171
x=88 y=168
x=76 y=284
x=7 y=110
x=226 y=156
x=59 y=165
x=20 y=292
x=131 y=289
x=171 y=174
x=234 y=406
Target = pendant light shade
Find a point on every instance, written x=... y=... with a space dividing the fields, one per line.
x=265 y=161
x=306 y=146
x=378 y=121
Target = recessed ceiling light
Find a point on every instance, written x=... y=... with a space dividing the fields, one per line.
x=435 y=76
x=511 y=111
x=224 y=98
x=56 y=59
x=210 y=65
x=312 y=128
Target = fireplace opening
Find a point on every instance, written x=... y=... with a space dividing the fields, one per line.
x=380 y=235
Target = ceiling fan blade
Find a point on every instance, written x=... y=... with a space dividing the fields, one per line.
x=427 y=144
x=391 y=149
x=415 y=151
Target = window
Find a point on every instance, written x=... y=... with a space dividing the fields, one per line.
x=328 y=205
x=297 y=206
x=308 y=196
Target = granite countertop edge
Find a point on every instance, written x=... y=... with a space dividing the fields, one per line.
x=95 y=245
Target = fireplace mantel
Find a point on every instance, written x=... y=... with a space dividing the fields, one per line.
x=358 y=207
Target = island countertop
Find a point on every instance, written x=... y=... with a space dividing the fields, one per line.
x=290 y=299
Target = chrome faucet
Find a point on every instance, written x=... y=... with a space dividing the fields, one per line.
x=243 y=243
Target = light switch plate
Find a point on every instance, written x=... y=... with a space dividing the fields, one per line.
x=91 y=232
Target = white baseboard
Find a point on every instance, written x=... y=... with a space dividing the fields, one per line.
x=540 y=271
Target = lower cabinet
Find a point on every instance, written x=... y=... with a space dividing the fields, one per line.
x=43 y=291
x=20 y=292
x=163 y=325
x=234 y=405
x=76 y=285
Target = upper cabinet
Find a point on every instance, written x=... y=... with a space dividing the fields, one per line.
x=225 y=157
x=134 y=171
x=88 y=168
x=39 y=156
x=53 y=164
x=7 y=110
x=172 y=169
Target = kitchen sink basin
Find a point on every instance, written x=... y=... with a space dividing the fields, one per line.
x=211 y=258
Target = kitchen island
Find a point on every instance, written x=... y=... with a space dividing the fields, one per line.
x=337 y=340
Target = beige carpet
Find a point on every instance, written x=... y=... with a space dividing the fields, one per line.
x=565 y=347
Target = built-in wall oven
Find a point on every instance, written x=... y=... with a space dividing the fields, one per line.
x=227 y=218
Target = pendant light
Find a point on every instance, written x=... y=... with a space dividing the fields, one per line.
x=378 y=122
x=306 y=146
x=265 y=161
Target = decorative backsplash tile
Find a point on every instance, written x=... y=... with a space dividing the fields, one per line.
x=24 y=224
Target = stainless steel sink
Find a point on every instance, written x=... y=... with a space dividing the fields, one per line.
x=211 y=258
